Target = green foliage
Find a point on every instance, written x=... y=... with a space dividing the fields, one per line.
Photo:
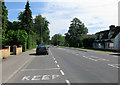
x=3 y=16
x=58 y=39
x=15 y=25
x=74 y=34
x=42 y=30
x=88 y=42
x=24 y=32
x=18 y=37
x=25 y=18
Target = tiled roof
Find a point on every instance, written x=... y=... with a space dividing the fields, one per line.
x=116 y=32
x=105 y=33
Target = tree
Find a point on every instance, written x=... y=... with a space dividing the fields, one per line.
x=74 y=34
x=18 y=37
x=41 y=28
x=4 y=22
x=88 y=42
x=25 y=18
x=58 y=39
x=26 y=23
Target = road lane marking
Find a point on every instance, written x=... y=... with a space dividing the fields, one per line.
x=55 y=61
x=90 y=58
x=54 y=58
x=77 y=54
x=18 y=70
x=55 y=76
x=103 y=59
x=40 y=69
x=58 y=66
x=114 y=65
x=46 y=77
x=40 y=77
x=68 y=82
x=37 y=77
x=62 y=72
x=26 y=78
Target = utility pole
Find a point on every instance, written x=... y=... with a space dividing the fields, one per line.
x=41 y=31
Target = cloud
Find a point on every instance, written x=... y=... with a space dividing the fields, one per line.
x=97 y=15
x=93 y=13
x=16 y=10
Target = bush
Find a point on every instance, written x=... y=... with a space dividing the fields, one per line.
x=18 y=37
x=87 y=42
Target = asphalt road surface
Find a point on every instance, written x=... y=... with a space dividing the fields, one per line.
x=67 y=65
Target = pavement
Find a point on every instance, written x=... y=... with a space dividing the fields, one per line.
x=62 y=66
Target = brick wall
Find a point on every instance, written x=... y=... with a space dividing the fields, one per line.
x=17 y=50
x=4 y=53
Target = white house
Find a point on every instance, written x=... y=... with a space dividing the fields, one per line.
x=108 y=39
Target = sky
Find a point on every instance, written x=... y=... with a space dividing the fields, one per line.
x=97 y=15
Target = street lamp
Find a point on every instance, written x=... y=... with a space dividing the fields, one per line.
x=41 y=31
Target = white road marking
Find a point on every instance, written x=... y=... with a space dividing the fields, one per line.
x=76 y=54
x=90 y=58
x=55 y=76
x=40 y=77
x=26 y=78
x=55 y=61
x=114 y=65
x=18 y=70
x=54 y=58
x=37 y=77
x=46 y=77
x=68 y=82
x=40 y=69
x=103 y=59
x=62 y=72
x=58 y=66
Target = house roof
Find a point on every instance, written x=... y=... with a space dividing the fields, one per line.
x=116 y=32
x=105 y=33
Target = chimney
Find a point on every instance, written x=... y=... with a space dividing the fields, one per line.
x=112 y=27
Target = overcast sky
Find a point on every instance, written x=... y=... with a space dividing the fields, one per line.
x=97 y=15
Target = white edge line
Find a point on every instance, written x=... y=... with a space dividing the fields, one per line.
x=68 y=82
x=62 y=72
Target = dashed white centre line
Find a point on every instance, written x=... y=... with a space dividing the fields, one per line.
x=54 y=58
x=58 y=66
x=62 y=72
x=68 y=82
x=55 y=61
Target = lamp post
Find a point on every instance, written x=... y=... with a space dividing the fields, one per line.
x=41 y=31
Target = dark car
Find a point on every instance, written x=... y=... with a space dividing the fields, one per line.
x=42 y=49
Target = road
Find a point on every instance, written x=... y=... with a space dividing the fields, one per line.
x=68 y=66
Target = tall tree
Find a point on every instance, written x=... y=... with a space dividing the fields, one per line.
x=74 y=34
x=58 y=39
x=4 y=21
x=41 y=28
x=26 y=20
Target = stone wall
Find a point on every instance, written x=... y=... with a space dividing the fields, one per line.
x=4 y=53
x=17 y=50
